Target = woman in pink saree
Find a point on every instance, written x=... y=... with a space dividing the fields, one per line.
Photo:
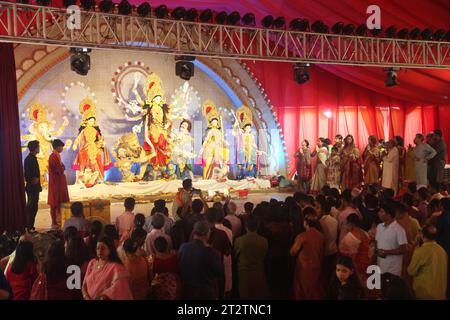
x=106 y=278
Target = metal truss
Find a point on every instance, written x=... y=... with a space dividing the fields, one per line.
x=48 y=26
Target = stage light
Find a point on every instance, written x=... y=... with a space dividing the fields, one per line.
x=328 y=114
x=162 y=12
x=391 y=78
x=178 y=13
x=376 y=32
x=184 y=68
x=439 y=35
x=319 y=27
x=144 y=9
x=221 y=17
x=301 y=72
x=87 y=4
x=279 y=23
x=233 y=18
x=349 y=29
x=361 y=30
x=338 y=28
x=80 y=62
x=299 y=25
x=191 y=15
x=106 y=6
x=414 y=33
x=68 y=3
x=249 y=19
x=403 y=33
x=390 y=32
x=206 y=16
x=267 y=21
x=427 y=34
x=43 y=2
x=447 y=36
x=125 y=7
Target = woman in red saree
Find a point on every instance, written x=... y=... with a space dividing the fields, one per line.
x=106 y=278
x=57 y=183
x=351 y=167
x=308 y=247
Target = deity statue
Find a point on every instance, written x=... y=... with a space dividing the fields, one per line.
x=41 y=130
x=157 y=125
x=128 y=151
x=214 y=150
x=247 y=149
x=88 y=163
x=182 y=152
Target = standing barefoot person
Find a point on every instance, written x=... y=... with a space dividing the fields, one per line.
x=57 y=183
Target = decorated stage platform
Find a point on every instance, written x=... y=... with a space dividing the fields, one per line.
x=159 y=188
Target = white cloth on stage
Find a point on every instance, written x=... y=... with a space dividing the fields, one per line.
x=390 y=170
x=424 y=153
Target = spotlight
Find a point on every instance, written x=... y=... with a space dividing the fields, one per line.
x=361 y=30
x=299 y=25
x=439 y=35
x=125 y=7
x=80 y=62
x=319 y=27
x=349 y=29
x=43 y=2
x=233 y=18
x=391 y=78
x=106 y=6
x=414 y=33
x=68 y=3
x=338 y=28
x=427 y=34
x=87 y=4
x=301 y=72
x=178 y=13
x=249 y=19
x=390 y=32
x=403 y=33
x=184 y=68
x=267 y=21
x=376 y=32
x=221 y=17
x=143 y=9
x=206 y=16
x=162 y=12
x=191 y=15
x=279 y=23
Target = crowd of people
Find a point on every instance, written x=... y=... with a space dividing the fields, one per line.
x=389 y=164
x=305 y=247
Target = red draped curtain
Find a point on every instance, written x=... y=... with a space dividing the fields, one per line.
x=12 y=191
x=327 y=105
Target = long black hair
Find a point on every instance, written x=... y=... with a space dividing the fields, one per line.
x=77 y=252
x=352 y=289
x=95 y=229
x=56 y=263
x=24 y=254
x=113 y=257
x=95 y=127
x=148 y=109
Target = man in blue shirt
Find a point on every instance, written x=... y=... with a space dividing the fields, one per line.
x=201 y=267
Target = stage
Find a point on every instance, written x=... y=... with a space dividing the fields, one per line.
x=153 y=189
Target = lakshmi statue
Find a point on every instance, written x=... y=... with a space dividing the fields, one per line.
x=214 y=151
x=41 y=130
x=182 y=152
x=157 y=126
x=246 y=147
x=89 y=164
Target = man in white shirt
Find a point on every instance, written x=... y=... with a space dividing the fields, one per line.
x=347 y=210
x=125 y=222
x=236 y=225
x=391 y=241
